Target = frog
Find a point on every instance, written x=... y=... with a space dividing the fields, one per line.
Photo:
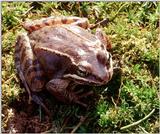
x=58 y=53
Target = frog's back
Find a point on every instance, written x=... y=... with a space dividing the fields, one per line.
x=68 y=39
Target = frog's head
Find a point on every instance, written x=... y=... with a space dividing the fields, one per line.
x=94 y=70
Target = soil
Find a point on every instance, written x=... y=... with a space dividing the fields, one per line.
x=22 y=117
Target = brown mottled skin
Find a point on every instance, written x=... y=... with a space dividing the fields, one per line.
x=59 y=52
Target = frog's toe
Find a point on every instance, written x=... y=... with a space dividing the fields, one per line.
x=85 y=94
x=79 y=96
x=81 y=103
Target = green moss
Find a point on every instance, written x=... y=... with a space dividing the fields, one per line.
x=132 y=28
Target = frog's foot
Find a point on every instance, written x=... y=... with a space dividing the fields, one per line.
x=78 y=96
x=59 y=88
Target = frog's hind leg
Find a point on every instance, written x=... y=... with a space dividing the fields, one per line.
x=18 y=67
x=50 y=21
x=28 y=68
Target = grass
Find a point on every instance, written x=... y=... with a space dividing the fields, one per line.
x=133 y=30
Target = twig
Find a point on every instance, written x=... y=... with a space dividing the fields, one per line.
x=106 y=20
x=144 y=130
x=64 y=124
x=19 y=21
x=11 y=77
x=28 y=10
x=118 y=12
x=82 y=119
x=103 y=22
x=114 y=102
x=48 y=131
x=138 y=122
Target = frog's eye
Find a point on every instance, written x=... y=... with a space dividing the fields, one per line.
x=82 y=72
x=108 y=57
x=104 y=58
x=110 y=60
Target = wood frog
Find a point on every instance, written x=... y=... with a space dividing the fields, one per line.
x=59 y=53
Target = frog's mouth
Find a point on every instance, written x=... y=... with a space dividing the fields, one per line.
x=80 y=80
x=90 y=80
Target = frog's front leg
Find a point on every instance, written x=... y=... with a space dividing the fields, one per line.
x=50 y=21
x=59 y=88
